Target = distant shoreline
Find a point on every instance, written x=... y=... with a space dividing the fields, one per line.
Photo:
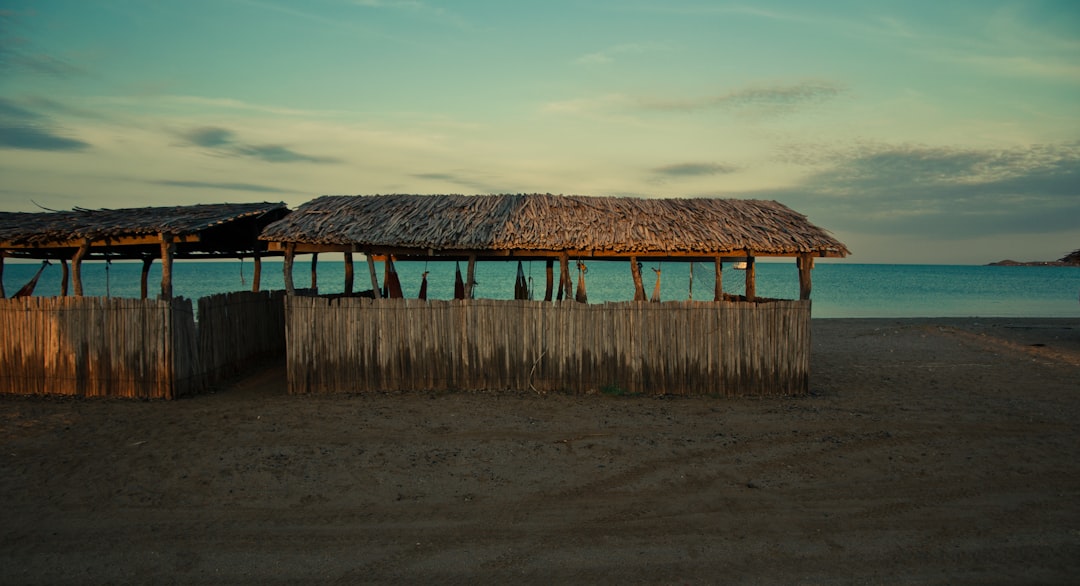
x=1042 y=263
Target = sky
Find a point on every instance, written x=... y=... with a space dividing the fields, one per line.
x=915 y=132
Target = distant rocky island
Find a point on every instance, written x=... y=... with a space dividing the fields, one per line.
x=1069 y=260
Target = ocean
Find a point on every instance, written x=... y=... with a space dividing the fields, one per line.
x=839 y=289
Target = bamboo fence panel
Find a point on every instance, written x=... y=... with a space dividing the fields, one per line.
x=683 y=347
x=96 y=346
x=237 y=331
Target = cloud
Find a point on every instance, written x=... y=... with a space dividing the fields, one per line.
x=693 y=169
x=18 y=54
x=462 y=179
x=25 y=129
x=227 y=186
x=771 y=99
x=781 y=97
x=609 y=54
x=223 y=140
x=944 y=192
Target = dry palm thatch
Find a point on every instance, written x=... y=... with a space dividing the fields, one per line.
x=223 y=226
x=1072 y=258
x=545 y=223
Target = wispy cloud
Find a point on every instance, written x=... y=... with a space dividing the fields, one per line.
x=693 y=169
x=223 y=141
x=226 y=186
x=19 y=55
x=608 y=55
x=944 y=192
x=759 y=100
x=464 y=179
x=25 y=129
x=777 y=97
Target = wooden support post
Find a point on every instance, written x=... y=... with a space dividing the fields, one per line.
x=63 y=278
x=76 y=267
x=256 y=279
x=314 y=272
x=470 y=280
x=718 y=291
x=348 y=273
x=751 y=279
x=565 y=284
x=550 y=268
x=2 y=294
x=805 y=262
x=290 y=255
x=374 y=276
x=167 y=250
x=144 y=276
x=639 y=287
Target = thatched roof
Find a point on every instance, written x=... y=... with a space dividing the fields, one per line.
x=207 y=227
x=1072 y=258
x=545 y=224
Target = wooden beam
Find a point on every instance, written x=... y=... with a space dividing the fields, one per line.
x=751 y=279
x=63 y=277
x=112 y=242
x=168 y=248
x=348 y=273
x=290 y=256
x=565 y=284
x=639 y=286
x=805 y=264
x=314 y=271
x=470 y=280
x=718 y=290
x=76 y=267
x=374 y=276
x=256 y=278
x=549 y=268
x=144 y=277
x=2 y=294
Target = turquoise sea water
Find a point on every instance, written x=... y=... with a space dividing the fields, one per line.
x=839 y=289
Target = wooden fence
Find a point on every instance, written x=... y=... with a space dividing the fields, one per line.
x=135 y=348
x=238 y=331
x=690 y=348
x=98 y=347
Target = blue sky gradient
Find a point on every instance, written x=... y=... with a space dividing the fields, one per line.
x=922 y=132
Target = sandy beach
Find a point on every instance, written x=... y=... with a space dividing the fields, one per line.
x=929 y=451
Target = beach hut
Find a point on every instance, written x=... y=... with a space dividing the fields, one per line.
x=726 y=346
x=225 y=230
x=137 y=348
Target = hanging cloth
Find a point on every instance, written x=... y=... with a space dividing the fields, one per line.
x=28 y=289
x=580 y=296
x=656 y=288
x=521 y=286
x=423 y=286
x=390 y=280
x=459 y=283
